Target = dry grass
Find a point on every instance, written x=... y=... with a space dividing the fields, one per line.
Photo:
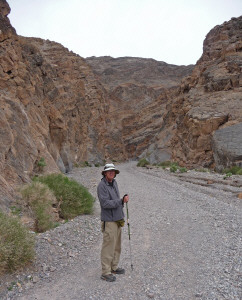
x=39 y=199
x=16 y=244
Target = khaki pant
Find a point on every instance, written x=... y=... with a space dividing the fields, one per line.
x=111 y=247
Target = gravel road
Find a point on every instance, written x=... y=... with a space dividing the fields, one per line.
x=185 y=242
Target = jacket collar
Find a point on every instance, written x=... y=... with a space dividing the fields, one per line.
x=106 y=182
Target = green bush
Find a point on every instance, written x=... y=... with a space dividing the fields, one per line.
x=173 y=168
x=41 y=164
x=142 y=162
x=235 y=170
x=16 y=244
x=74 y=198
x=239 y=172
x=40 y=199
x=183 y=169
x=229 y=174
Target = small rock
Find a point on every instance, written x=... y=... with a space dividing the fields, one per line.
x=71 y=254
x=19 y=285
x=151 y=295
x=35 y=279
x=210 y=182
x=198 y=295
x=240 y=195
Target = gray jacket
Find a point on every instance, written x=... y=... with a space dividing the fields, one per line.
x=111 y=204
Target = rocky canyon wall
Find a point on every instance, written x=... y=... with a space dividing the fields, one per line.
x=211 y=99
x=56 y=105
x=51 y=106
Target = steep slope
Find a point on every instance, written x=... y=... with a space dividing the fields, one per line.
x=118 y=72
x=211 y=98
x=57 y=105
x=139 y=91
x=51 y=106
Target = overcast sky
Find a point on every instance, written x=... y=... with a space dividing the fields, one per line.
x=166 y=30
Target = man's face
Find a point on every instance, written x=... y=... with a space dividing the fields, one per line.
x=110 y=175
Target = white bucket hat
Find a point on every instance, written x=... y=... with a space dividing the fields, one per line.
x=109 y=167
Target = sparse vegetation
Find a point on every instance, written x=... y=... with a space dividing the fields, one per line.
x=41 y=164
x=15 y=210
x=204 y=170
x=235 y=170
x=165 y=164
x=142 y=162
x=183 y=169
x=82 y=164
x=74 y=198
x=39 y=198
x=16 y=244
x=173 y=168
x=229 y=174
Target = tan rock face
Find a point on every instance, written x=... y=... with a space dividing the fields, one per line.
x=56 y=105
x=140 y=90
x=51 y=106
x=6 y=30
x=211 y=96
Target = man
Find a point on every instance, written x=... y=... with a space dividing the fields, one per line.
x=112 y=218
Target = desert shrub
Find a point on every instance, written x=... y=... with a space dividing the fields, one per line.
x=16 y=244
x=142 y=162
x=239 y=172
x=173 y=168
x=183 y=169
x=229 y=174
x=235 y=170
x=41 y=164
x=74 y=198
x=40 y=200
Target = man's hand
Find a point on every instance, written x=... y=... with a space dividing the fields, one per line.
x=125 y=198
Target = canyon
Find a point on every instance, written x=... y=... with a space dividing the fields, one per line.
x=68 y=110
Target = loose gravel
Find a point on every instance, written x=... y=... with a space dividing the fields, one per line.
x=186 y=242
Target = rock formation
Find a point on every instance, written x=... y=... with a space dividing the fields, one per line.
x=140 y=90
x=227 y=146
x=51 y=106
x=211 y=97
x=58 y=106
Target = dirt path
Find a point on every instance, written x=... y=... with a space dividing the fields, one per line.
x=186 y=244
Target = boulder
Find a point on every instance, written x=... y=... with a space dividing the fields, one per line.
x=227 y=146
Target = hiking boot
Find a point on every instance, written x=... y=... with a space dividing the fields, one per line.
x=118 y=271
x=109 y=277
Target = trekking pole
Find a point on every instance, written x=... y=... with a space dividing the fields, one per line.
x=129 y=235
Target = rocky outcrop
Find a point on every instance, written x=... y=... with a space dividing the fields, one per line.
x=210 y=97
x=227 y=146
x=51 y=106
x=6 y=29
x=139 y=92
x=120 y=72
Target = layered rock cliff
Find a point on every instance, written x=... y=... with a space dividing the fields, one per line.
x=56 y=105
x=51 y=106
x=211 y=98
x=140 y=90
